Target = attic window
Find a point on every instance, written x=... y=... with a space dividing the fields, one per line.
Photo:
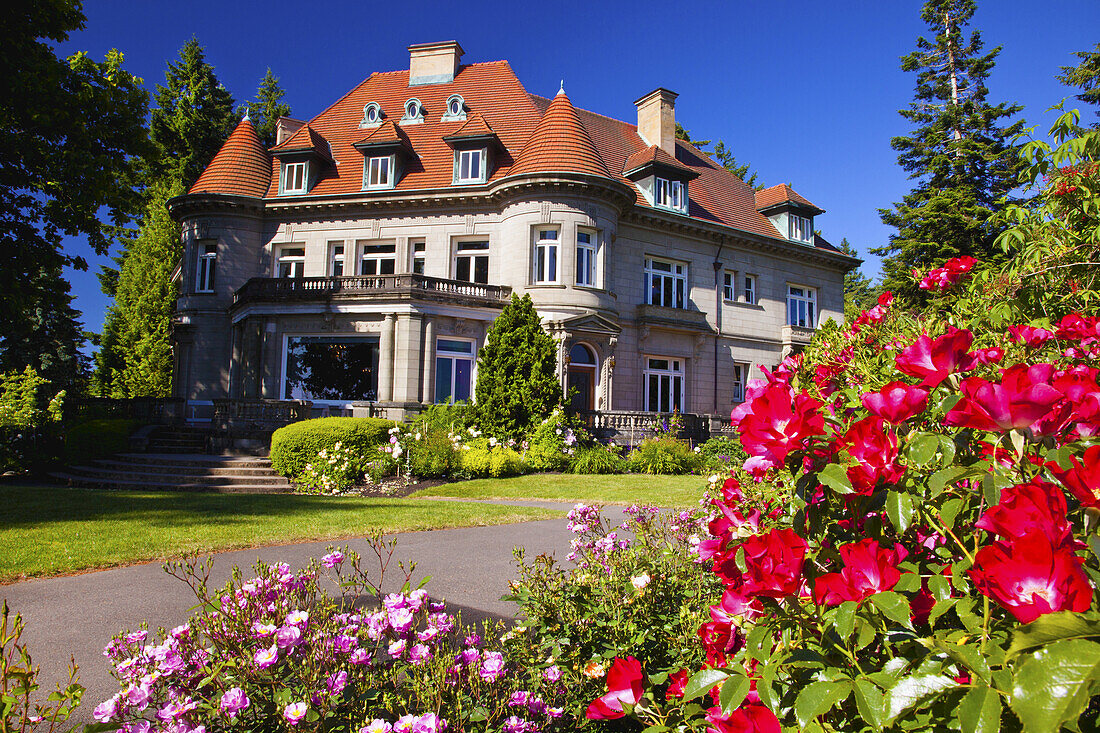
x=456 y=109
x=470 y=166
x=414 y=111
x=670 y=194
x=372 y=115
x=294 y=178
x=801 y=228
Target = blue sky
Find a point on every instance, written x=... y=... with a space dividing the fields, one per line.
x=805 y=91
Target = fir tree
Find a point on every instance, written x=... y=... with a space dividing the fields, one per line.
x=268 y=108
x=960 y=154
x=859 y=291
x=517 y=386
x=1086 y=77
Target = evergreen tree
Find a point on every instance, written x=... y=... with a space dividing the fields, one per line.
x=1086 y=77
x=859 y=291
x=192 y=118
x=69 y=133
x=960 y=154
x=268 y=108
x=724 y=156
x=517 y=386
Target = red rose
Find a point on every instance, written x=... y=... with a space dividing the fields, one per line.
x=720 y=640
x=676 y=682
x=749 y=718
x=779 y=422
x=875 y=448
x=1024 y=397
x=1030 y=335
x=624 y=686
x=935 y=360
x=896 y=402
x=1036 y=505
x=868 y=569
x=773 y=564
x=1083 y=477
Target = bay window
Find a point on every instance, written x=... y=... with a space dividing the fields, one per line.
x=470 y=166
x=546 y=256
x=294 y=177
x=800 y=229
x=669 y=194
x=586 y=259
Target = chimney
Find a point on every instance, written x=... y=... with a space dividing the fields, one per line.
x=285 y=127
x=433 y=63
x=657 y=119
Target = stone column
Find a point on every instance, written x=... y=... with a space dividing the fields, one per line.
x=235 y=361
x=428 y=372
x=406 y=386
x=385 y=360
x=271 y=357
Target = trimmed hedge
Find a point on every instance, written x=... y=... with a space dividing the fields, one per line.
x=295 y=445
x=481 y=461
x=664 y=456
x=98 y=438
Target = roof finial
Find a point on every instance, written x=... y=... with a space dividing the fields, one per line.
x=561 y=89
x=246 y=117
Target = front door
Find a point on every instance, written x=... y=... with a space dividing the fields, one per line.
x=583 y=380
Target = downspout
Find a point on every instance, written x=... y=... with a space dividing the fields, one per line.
x=718 y=320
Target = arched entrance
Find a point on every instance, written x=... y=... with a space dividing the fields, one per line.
x=582 y=377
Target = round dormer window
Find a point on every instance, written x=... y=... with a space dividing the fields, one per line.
x=412 y=109
x=371 y=113
x=456 y=106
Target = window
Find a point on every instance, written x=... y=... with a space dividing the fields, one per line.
x=336 y=259
x=418 y=257
x=801 y=306
x=665 y=283
x=294 y=177
x=292 y=262
x=414 y=111
x=372 y=115
x=670 y=194
x=208 y=256
x=380 y=172
x=471 y=166
x=664 y=385
x=750 y=289
x=586 y=259
x=472 y=262
x=738 y=383
x=378 y=259
x=546 y=256
x=729 y=283
x=456 y=109
x=800 y=228
x=454 y=370
x=331 y=368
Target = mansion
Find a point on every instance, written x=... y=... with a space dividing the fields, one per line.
x=362 y=259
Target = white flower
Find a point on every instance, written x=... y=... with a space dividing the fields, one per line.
x=641 y=581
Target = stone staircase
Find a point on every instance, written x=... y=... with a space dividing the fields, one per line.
x=177 y=440
x=178 y=471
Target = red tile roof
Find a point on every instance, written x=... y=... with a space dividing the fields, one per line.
x=654 y=155
x=384 y=134
x=782 y=193
x=475 y=126
x=306 y=139
x=560 y=144
x=241 y=168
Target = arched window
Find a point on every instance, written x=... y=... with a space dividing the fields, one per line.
x=414 y=111
x=372 y=115
x=456 y=108
x=581 y=355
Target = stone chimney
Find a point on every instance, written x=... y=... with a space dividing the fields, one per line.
x=285 y=127
x=657 y=119
x=434 y=63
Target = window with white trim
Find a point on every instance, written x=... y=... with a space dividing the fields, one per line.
x=738 y=383
x=456 y=109
x=546 y=256
x=470 y=166
x=472 y=262
x=336 y=259
x=665 y=283
x=377 y=259
x=414 y=111
x=801 y=228
x=294 y=177
x=454 y=370
x=669 y=194
x=664 y=384
x=418 y=247
x=729 y=285
x=379 y=172
x=292 y=262
x=372 y=115
x=208 y=258
x=750 y=289
x=586 y=258
x=801 y=306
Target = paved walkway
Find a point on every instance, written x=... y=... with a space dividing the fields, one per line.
x=79 y=614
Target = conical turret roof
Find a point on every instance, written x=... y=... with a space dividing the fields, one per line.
x=241 y=168
x=560 y=144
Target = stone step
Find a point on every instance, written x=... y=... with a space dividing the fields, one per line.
x=193 y=460
x=167 y=477
x=130 y=485
x=202 y=469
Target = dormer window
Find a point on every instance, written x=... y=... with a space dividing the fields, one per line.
x=294 y=177
x=372 y=115
x=414 y=111
x=670 y=194
x=470 y=166
x=801 y=228
x=380 y=172
x=456 y=109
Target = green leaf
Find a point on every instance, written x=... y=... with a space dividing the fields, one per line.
x=914 y=690
x=845 y=619
x=1052 y=686
x=893 y=606
x=899 y=507
x=908 y=583
x=836 y=478
x=701 y=682
x=950 y=510
x=938 y=481
x=968 y=657
x=1052 y=627
x=980 y=711
x=869 y=702
x=923 y=448
x=817 y=698
x=733 y=692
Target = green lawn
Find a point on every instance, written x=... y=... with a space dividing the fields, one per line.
x=667 y=491
x=48 y=530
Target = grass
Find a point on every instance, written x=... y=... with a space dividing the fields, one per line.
x=667 y=491
x=48 y=530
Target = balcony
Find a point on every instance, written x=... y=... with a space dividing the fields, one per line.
x=797 y=336
x=370 y=287
x=677 y=318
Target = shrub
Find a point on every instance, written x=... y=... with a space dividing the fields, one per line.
x=297 y=444
x=722 y=454
x=433 y=451
x=28 y=420
x=552 y=443
x=98 y=438
x=331 y=471
x=598 y=458
x=664 y=456
x=481 y=459
x=21 y=708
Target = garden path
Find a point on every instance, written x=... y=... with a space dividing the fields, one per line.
x=78 y=614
